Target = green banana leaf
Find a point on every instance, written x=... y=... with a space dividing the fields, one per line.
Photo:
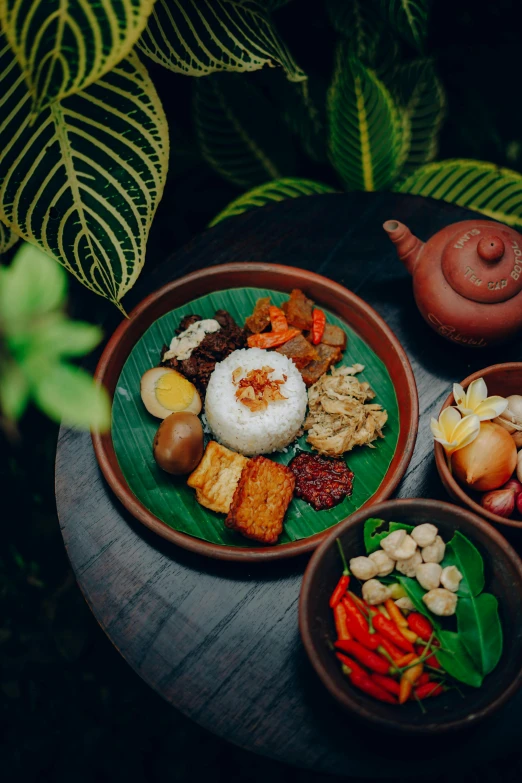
x=170 y=499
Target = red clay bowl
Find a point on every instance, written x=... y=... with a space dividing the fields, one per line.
x=503 y=572
x=349 y=307
x=503 y=379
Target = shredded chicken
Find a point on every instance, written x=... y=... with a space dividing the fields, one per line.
x=340 y=415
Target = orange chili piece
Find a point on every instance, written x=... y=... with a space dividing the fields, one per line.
x=318 y=324
x=389 y=630
x=395 y=613
x=277 y=319
x=405 y=661
x=271 y=339
x=340 y=622
x=408 y=680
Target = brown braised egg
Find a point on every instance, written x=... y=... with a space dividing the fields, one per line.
x=178 y=444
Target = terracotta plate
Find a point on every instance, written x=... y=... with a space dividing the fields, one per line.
x=359 y=319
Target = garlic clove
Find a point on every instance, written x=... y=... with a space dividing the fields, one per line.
x=519 y=466
x=434 y=553
x=363 y=568
x=451 y=578
x=424 y=534
x=428 y=575
x=499 y=501
x=511 y=418
x=517 y=437
x=440 y=601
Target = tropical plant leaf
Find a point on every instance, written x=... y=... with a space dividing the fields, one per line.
x=494 y=191
x=69 y=395
x=366 y=127
x=169 y=498
x=277 y=190
x=239 y=132
x=84 y=181
x=198 y=37
x=421 y=95
x=362 y=24
x=303 y=108
x=14 y=390
x=409 y=18
x=33 y=285
x=64 y=47
x=8 y=238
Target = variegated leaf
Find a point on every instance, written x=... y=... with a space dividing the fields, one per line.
x=494 y=191
x=410 y=19
x=366 y=126
x=63 y=47
x=84 y=180
x=198 y=37
x=277 y=190
x=422 y=96
x=239 y=132
x=360 y=22
x=7 y=238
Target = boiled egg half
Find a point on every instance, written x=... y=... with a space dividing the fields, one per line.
x=165 y=391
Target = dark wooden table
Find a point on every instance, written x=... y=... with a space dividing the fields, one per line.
x=218 y=640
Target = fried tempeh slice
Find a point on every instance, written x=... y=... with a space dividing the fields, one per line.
x=334 y=335
x=299 y=350
x=215 y=478
x=260 y=318
x=260 y=501
x=298 y=310
x=328 y=355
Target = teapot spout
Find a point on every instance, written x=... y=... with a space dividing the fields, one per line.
x=408 y=246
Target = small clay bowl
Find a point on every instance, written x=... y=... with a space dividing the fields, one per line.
x=448 y=712
x=502 y=379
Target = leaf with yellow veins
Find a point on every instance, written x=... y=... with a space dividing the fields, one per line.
x=63 y=46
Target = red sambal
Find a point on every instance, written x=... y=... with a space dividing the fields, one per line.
x=321 y=481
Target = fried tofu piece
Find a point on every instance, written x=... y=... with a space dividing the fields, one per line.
x=260 y=318
x=216 y=477
x=334 y=335
x=299 y=350
x=298 y=310
x=328 y=355
x=260 y=501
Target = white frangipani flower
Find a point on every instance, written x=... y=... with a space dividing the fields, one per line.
x=475 y=400
x=454 y=432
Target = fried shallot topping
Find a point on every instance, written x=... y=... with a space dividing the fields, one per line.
x=256 y=389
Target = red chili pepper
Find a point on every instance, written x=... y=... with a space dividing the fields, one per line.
x=389 y=630
x=368 y=658
x=428 y=689
x=358 y=627
x=344 y=581
x=277 y=319
x=420 y=625
x=318 y=324
x=388 y=683
x=340 y=622
x=271 y=339
x=364 y=683
x=340 y=590
x=351 y=664
x=393 y=651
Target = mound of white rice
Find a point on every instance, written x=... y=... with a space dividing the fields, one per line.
x=255 y=432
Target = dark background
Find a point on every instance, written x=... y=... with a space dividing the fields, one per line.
x=70 y=707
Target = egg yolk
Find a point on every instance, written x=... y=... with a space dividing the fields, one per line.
x=174 y=392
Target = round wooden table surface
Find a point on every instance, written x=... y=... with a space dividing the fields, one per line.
x=220 y=640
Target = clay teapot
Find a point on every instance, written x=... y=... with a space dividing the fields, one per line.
x=467 y=279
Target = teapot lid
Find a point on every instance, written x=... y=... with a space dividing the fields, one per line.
x=484 y=264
